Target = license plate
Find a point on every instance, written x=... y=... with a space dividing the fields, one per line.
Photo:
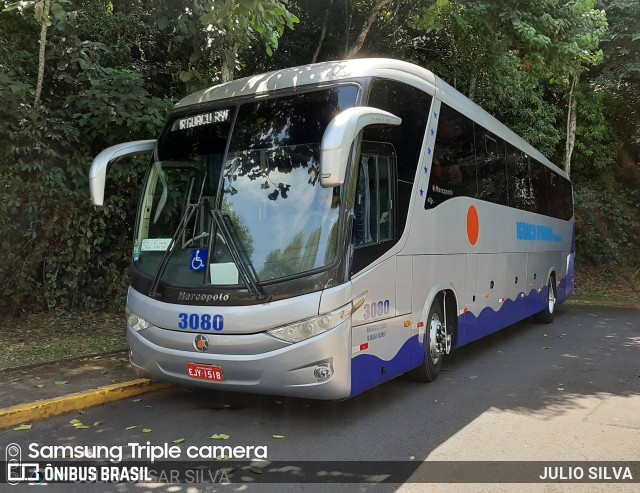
x=205 y=372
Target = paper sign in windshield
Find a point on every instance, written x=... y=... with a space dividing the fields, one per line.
x=224 y=273
x=155 y=244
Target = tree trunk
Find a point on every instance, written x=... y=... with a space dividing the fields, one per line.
x=43 y=44
x=323 y=33
x=365 y=28
x=571 y=123
x=472 y=87
x=229 y=48
x=348 y=16
x=229 y=63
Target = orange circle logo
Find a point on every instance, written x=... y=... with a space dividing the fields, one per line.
x=473 y=225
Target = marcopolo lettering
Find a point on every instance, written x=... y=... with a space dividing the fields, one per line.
x=443 y=191
x=203 y=297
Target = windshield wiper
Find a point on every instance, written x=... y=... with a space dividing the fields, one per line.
x=245 y=267
x=184 y=220
x=182 y=226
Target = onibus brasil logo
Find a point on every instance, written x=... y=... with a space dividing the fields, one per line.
x=18 y=471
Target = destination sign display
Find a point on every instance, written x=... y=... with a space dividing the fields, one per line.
x=203 y=119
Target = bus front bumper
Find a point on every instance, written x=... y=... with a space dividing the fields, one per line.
x=291 y=370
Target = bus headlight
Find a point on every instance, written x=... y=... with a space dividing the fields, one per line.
x=136 y=322
x=313 y=326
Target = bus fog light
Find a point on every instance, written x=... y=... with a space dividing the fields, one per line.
x=323 y=372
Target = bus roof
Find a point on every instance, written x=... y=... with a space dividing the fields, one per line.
x=327 y=72
x=305 y=75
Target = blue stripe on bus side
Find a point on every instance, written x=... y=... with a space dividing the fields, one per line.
x=490 y=321
x=366 y=369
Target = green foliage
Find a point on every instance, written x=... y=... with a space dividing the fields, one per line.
x=550 y=37
x=608 y=228
x=116 y=107
x=597 y=143
x=213 y=32
x=620 y=74
x=58 y=250
x=464 y=46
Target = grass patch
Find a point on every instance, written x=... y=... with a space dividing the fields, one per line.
x=598 y=287
x=44 y=337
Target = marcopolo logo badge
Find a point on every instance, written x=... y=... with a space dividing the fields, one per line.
x=201 y=343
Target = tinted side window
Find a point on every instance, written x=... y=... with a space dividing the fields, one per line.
x=567 y=198
x=538 y=175
x=453 y=169
x=492 y=171
x=520 y=193
x=553 y=194
x=413 y=106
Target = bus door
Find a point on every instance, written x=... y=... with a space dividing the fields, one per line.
x=374 y=209
x=377 y=339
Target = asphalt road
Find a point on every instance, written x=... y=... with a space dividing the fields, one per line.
x=566 y=391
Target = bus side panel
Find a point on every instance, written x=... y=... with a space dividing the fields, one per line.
x=502 y=299
x=368 y=370
x=381 y=345
x=433 y=274
x=492 y=314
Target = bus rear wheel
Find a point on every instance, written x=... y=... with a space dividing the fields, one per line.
x=436 y=336
x=546 y=315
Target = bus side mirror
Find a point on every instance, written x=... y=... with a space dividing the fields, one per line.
x=340 y=134
x=98 y=171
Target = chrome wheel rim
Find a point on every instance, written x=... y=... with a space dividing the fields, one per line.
x=552 y=297
x=435 y=334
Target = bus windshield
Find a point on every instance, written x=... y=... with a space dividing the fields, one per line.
x=237 y=189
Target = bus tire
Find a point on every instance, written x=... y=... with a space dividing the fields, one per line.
x=432 y=363
x=546 y=315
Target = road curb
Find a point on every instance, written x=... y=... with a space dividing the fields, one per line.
x=48 y=408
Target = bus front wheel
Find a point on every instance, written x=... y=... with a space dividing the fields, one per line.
x=436 y=337
x=546 y=315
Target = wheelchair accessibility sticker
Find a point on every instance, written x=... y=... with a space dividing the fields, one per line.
x=199 y=260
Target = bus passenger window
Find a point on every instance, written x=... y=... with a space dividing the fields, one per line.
x=412 y=105
x=537 y=173
x=453 y=169
x=567 y=199
x=553 y=194
x=520 y=194
x=492 y=170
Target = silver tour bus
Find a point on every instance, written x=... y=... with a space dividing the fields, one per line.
x=319 y=230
